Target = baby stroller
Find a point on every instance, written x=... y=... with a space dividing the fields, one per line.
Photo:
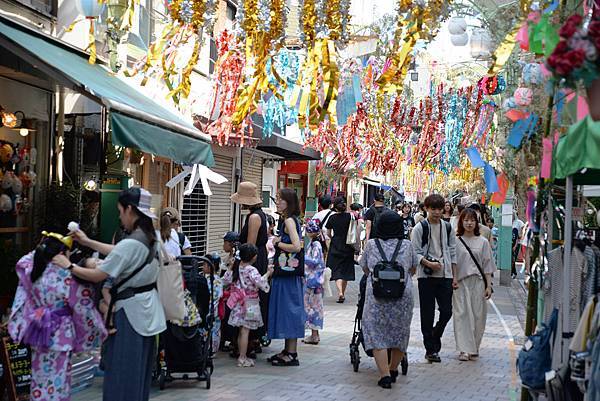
x=357 y=335
x=185 y=350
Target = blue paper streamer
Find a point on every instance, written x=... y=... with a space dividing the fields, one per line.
x=491 y=181
x=552 y=7
x=533 y=120
x=522 y=127
x=475 y=158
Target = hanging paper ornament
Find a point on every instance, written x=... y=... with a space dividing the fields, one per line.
x=174 y=54
x=523 y=96
x=481 y=44
x=460 y=40
x=457 y=25
x=532 y=74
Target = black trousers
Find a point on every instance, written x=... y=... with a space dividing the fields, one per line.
x=432 y=290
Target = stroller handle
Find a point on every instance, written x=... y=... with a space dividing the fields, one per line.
x=193 y=259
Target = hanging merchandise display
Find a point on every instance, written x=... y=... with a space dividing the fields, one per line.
x=91 y=10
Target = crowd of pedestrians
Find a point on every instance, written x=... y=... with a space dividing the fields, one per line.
x=269 y=284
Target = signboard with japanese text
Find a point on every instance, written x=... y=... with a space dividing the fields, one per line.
x=16 y=359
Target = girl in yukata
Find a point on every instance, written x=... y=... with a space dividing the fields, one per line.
x=245 y=281
x=217 y=294
x=55 y=315
x=314 y=274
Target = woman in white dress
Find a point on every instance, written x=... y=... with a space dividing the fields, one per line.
x=473 y=285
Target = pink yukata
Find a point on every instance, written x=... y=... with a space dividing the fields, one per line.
x=55 y=316
x=243 y=297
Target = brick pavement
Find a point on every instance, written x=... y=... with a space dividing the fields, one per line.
x=325 y=372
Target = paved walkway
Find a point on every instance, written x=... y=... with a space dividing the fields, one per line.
x=325 y=372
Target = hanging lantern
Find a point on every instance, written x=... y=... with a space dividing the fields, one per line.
x=90 y=8
x=481 y=43
x=460 y=40
x=457 y=25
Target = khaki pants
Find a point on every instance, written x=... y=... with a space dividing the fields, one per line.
x=469 y=309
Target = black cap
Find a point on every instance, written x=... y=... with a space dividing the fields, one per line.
x=231 y=236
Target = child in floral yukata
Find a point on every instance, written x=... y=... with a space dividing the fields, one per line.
x=314 y=275
x=217 y=293
x=55 y=315
x=245 y=282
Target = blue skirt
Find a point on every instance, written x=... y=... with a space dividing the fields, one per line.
x=286 y=308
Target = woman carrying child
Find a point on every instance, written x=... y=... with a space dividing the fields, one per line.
x=54 y=314
x=245 y=281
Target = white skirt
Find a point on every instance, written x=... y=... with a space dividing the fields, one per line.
x=469 y=310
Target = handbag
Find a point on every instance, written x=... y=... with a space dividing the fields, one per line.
x=351 y=237
x=288 y=263
x=485 y=282
x=170 y=286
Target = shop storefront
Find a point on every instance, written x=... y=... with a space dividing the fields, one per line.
x=125 y=139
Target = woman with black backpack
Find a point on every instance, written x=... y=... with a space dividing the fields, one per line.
x=388 y=261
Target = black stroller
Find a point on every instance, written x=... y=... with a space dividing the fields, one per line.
x=357 y=335
x=185 y=350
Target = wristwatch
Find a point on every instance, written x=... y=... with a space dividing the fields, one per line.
x=71 y=266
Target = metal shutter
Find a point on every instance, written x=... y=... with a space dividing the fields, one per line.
x=194 y=219
x=219 y=204
x=252 y=169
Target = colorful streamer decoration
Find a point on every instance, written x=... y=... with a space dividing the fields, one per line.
x=190 y=21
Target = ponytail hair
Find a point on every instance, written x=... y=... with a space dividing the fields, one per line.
x=245 y=253
x=165 y=226
x=43 y=254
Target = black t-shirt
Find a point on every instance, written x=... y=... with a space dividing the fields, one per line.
x=339 y=223
x=372 y=215
x=409 y=223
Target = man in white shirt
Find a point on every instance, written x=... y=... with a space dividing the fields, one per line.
x=323 y=214
x=517 y=234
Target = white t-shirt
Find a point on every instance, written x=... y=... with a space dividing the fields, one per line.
x=518 y=224
x=321 y=217
x=172 y=244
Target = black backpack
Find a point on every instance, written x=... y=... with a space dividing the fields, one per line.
x=388 y=276
x=425 y=236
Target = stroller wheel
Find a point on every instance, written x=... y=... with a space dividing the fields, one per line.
x=356 y=362
x=161 y=380
x=265 y=341
x=208 y=373
x=404 y=365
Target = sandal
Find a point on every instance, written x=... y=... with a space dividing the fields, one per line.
x=311 y=340
x=341 y=299
x=284 y=362
x=277 y=356
x=245 y=363
x=463 y=356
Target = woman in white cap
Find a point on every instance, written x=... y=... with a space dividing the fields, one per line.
x=138 y=314
x=255 y=232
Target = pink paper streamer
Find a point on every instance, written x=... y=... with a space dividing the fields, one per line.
x=582 y=108
x=546 y=171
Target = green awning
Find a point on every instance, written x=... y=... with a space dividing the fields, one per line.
x=577 y=152
x=131 y=132
x=139 y=122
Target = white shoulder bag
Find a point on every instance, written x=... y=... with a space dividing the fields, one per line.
x=170 y=286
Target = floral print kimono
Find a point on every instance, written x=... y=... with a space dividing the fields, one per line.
x=243 y=297
x=314 y=274
x=55 y=316
x=217 y=293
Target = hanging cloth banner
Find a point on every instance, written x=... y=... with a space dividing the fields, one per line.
x=546 y=171
x=491 y=182
x=475 y=158
x=197 y=172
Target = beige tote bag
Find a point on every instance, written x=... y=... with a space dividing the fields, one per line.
x=170 y=286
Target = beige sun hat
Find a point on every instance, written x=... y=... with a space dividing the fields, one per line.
x=246 y=194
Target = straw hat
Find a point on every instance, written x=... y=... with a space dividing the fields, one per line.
x=246 y=194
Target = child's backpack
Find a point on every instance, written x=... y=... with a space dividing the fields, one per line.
x=535 y=358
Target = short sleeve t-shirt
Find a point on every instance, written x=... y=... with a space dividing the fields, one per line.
x=172 y=244
x=372 y=215
x=144 y=311
x=322 y=217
